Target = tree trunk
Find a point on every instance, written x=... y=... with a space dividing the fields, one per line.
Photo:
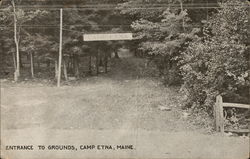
x=31 y=65
x=65 y=70
x=56 y=69
x=14 y=60
x=17 y=70
x=116 y=54
x=21 y=61
x=72 y=63
x=38 y=64
x=105 y=62
x=168 y=72
x=69 y=64
x=3 y=56
x=76 y=66
x=90 y=63
x=101 y=62
x=97 y=62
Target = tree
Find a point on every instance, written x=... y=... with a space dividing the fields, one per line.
x=34 y=45
x=16 y=39
x=20 y=17
x=161 y=32
x=76 y=22
x=6 y=41
x=218 y=61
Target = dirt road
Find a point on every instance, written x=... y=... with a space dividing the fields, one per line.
x=107 y=111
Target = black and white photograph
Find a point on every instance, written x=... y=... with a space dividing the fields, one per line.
x=124 y=79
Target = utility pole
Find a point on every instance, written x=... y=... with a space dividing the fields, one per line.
x=60 y=50
x=183 y=22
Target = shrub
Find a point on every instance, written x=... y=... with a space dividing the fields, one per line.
x=217 y=62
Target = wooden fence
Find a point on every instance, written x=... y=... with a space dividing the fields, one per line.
x=219 y=116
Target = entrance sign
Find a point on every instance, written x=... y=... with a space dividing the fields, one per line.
x=107 y=37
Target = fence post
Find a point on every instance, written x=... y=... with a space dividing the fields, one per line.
x=219 y=102
x=216 y=115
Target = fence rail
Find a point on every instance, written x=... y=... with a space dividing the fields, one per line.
x=236 y=105
x=219 y=116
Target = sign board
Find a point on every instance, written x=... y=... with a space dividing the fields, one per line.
x=107 y=37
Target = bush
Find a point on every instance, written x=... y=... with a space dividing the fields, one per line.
x=217 y=62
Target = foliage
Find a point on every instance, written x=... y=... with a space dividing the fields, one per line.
x=163 y=27
x=41 y=37
x=217 y=62
x=161 y=34
x=40 y=45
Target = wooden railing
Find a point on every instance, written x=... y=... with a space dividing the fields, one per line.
x=219 y=117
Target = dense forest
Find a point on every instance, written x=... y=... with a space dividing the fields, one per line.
x=200 y=45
